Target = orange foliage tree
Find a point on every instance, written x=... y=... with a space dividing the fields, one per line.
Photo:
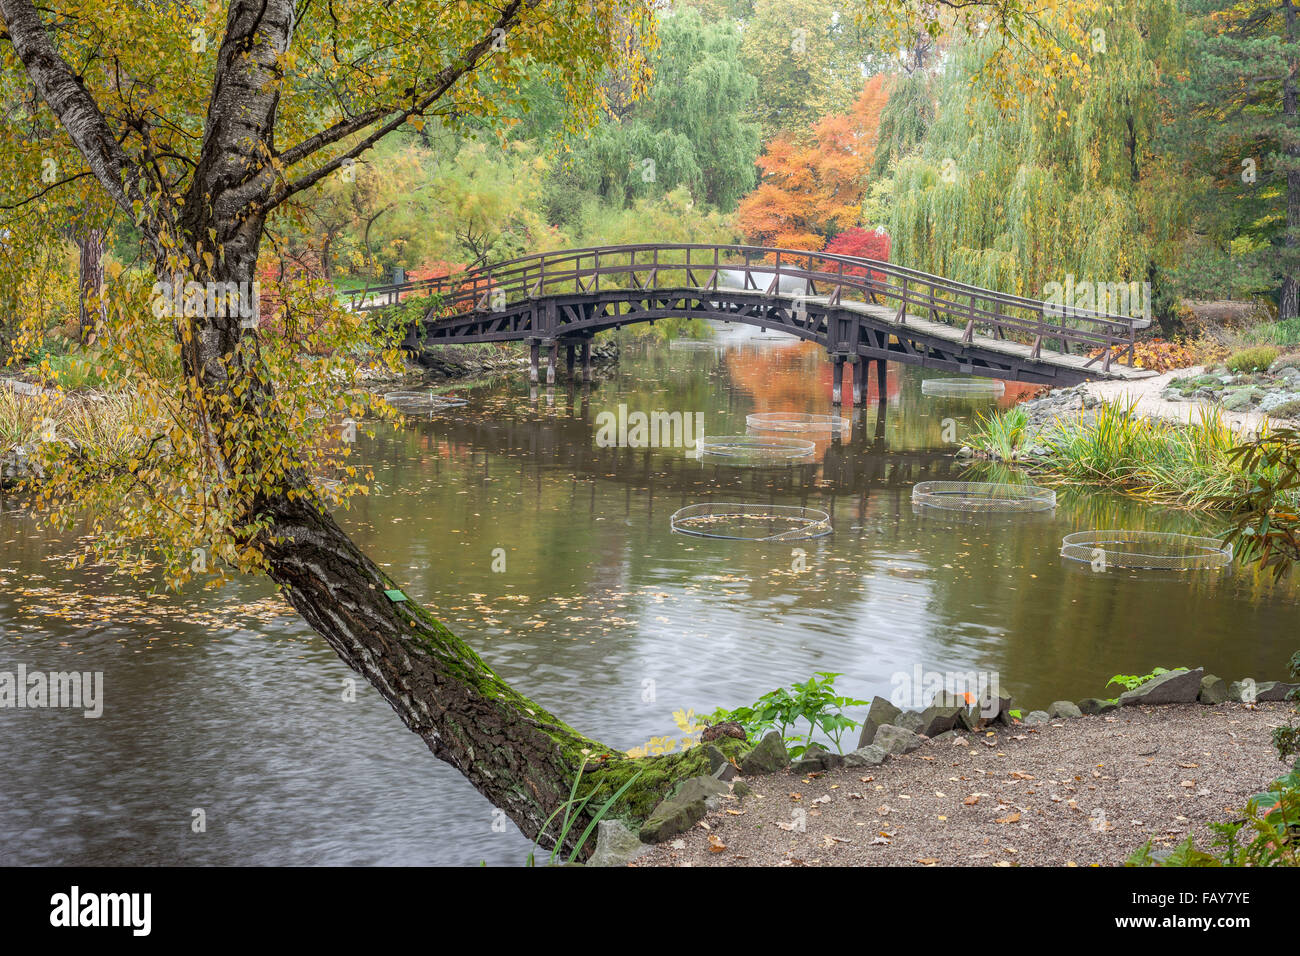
x=811 y=188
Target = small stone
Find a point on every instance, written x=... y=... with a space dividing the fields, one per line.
x=1214 y=690
x=768 y=757
x=1095 y=705
x=1174 y=687
x=817 y=758
x=936 y=720
x=616 y=845
x=1064 y=708
x=873 y=755
x=1036 y=718
x=741 y=789
x=897 y=740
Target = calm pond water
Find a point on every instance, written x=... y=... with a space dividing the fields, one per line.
x=228 y=704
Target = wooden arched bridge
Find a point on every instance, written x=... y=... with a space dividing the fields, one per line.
x=861 y=310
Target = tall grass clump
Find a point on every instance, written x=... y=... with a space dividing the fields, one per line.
x=1000 y=434
x=1161 y=461
x=1187 y=464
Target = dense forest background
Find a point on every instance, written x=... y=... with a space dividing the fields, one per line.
x=1174 y=160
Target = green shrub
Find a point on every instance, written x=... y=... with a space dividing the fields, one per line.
x=814 y=701
x=1255 y=359
x=1286 y=410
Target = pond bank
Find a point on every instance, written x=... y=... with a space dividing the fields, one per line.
x=1070 y=792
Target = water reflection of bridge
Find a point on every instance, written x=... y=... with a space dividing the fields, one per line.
x=565 y=441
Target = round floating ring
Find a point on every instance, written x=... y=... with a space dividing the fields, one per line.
x=981 y=496
x=754 y=448
x=1146 y=550
x=417 y=402
x=794 y=422
x=748 y=522
x=963 y=387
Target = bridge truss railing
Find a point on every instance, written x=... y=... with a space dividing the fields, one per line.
x=836 y=279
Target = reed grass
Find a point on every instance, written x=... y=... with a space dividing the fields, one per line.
x=1160 y=461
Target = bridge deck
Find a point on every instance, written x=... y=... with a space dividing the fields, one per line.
x=1018 y=349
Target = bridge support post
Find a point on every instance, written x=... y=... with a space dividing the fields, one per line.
x=837 y=379
x=859 y=379
x=552 y=355
x=534 y=347
x=586 y=361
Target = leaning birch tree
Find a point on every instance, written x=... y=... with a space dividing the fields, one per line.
x=202 y=123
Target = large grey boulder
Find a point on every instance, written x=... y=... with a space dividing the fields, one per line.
x=1037 y=718
x=1243 y=691
x=1273 y=690
x=873 y=755
x=897 y=740
x=1214 y=690
x=881 y=712
x=685 y=808
x=768 y=757
x=909 y=720
x=616 y=845
x=1175 y=687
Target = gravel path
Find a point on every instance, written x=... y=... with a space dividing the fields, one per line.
x=1073 y=793
x=1146 y=394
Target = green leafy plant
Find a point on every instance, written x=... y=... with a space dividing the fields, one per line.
x=1133 y=682
x=813 y=701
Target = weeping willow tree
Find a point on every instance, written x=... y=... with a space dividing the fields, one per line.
x=1015 y=198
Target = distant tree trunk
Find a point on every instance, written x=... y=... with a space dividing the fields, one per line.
x=90 y=287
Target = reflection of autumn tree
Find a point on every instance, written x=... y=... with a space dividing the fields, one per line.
x=763 y=373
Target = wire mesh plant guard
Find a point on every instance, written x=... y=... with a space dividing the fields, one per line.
x=794 y=422
x=1146 y=550
x=734 y=521
x=752 y=449
x=416 y=403
x=982 y=497
x=963 y=387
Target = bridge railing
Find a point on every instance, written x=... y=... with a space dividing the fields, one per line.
x=838 y=279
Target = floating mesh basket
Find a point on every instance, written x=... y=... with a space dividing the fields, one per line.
x=963 y=387
x=751 y=522
x=794 y=422
x=981 y=497
x=694 y=345
x=1146 y=550
x=416 y=403
x=752 y=449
